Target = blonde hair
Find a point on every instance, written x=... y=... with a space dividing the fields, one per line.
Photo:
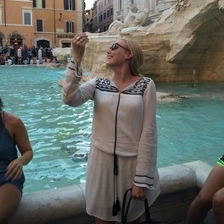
x=137 y=55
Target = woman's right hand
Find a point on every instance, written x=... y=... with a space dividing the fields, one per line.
x=78 y=46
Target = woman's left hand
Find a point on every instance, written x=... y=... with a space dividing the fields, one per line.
x=139 y=192
x=14 y=170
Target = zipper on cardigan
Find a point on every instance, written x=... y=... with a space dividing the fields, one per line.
x=116 y=204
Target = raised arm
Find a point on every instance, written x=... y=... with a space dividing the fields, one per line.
x=73 y=93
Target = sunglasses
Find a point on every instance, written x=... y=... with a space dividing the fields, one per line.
x=116 y=46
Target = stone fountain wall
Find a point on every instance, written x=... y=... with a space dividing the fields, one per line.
x=179 y=186
x=185 y=44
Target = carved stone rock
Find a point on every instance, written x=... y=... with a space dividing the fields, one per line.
x=182 y=45
x=185 y=44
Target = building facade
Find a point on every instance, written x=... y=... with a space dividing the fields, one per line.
x=105 y=14
x=95 y=18
x=45 y=23
x=88 y=23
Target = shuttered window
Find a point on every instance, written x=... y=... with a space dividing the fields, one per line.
x=27 y=18
x=39 y=4
x=69 y=4
x=39 y=25
x=69 y=27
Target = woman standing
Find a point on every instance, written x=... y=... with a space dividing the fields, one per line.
x=13 y=135
x=123 y=152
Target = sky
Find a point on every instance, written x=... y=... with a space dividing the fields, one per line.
x=89 y=4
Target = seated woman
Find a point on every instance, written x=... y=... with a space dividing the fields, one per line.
x=13 y=135
x=210 y=196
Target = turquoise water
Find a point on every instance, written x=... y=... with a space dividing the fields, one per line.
x=191 y=129
x=188 y=129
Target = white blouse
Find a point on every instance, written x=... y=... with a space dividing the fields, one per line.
x=124 y=123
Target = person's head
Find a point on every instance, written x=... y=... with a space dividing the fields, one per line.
x=1 y=104
x=135 y=51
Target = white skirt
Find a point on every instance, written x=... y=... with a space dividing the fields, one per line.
x=100 y=186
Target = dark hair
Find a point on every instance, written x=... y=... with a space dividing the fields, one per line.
x=1 y=104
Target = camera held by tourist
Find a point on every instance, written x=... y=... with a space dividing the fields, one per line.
x=13 y=136
x=123 y=151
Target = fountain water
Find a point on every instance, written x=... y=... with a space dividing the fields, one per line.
x=60 y=135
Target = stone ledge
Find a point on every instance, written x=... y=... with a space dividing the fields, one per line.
x=179 y=186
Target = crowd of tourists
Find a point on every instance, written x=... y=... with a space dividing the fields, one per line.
x=22 y=55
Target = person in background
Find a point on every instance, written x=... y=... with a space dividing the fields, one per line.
x=1 y=49
x=13 y=135
x=2 y=59
x=123 y=150
x=210 y=196
x=9 y=61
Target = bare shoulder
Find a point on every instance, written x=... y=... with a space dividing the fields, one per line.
x=12 y=120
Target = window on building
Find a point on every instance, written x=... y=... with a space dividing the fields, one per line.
x=120 y=4
x=27 y=18
x=69 y=4
x=39 y=25
x=43 y=43
x=70 y=27
x=39 y=3
x=101 y=18
x=111 y=11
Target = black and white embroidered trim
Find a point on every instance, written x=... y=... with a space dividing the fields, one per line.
x=105 y=85
x=143 y=183
x=144 y=176
x=138 y=89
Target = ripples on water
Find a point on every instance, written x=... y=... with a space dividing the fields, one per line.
x=59 y=134
x=191 y=129
x=188 y=129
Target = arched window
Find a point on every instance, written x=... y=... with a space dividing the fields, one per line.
x=16 y=40
x=43 y=43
